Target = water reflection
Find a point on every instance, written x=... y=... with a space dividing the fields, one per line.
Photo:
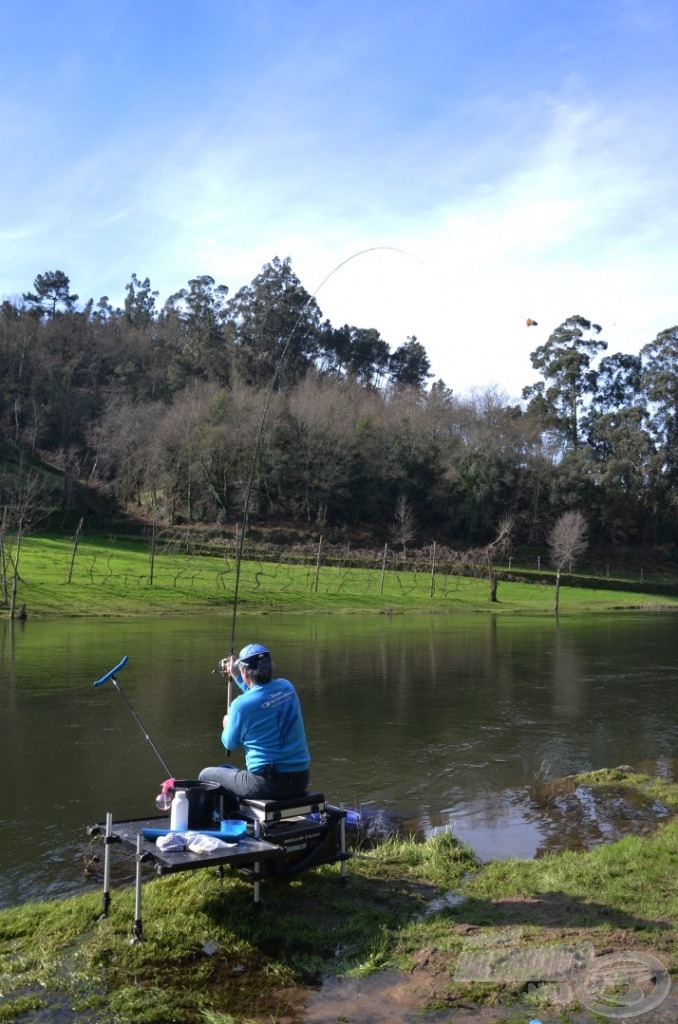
x=435 y=719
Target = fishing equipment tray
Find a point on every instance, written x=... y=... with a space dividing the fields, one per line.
x=283 y=838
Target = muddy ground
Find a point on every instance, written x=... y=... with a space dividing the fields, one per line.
x=574 y=817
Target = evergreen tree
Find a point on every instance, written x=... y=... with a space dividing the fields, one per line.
x=51 y=290
x=565 y=363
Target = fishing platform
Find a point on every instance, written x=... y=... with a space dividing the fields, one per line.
x=281 y=839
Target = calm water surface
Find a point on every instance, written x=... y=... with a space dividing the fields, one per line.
x=447 y=719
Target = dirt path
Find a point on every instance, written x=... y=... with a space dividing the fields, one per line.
x=394 y=998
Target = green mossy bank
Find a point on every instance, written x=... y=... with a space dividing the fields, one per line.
x=208 y=958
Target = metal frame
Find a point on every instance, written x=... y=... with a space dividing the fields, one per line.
x=252 y=850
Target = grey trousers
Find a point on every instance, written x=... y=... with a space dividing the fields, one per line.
x=269 y=785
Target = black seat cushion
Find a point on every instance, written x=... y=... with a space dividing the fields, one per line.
x=287 y=804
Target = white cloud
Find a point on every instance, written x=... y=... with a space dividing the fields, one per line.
x=552 y=240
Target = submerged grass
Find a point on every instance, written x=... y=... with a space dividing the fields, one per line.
x=113 y=577
x=208 y=957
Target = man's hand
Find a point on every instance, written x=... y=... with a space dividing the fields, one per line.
x=226 y=666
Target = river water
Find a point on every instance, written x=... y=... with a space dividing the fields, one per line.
x=439 y=721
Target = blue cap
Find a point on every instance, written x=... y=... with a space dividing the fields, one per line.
x=253 y=655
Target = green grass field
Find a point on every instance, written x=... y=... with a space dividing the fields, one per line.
x=112 y=577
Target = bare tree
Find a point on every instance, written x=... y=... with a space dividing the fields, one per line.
x=567 y=541
x=177 y=447
x=319 y=425
x=125 y=445
x=404 y=525
x=29 y=499
x=480 y=561
x=501 y=545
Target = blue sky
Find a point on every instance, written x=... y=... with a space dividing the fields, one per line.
x=501 y=160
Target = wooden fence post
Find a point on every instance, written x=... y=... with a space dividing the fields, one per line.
x=75 y=548
x=317 y=565
x=433 y=569
x=383 y=570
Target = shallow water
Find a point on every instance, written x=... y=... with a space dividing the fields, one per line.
x=436 y=721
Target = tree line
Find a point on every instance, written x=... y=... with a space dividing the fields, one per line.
x=160 y=407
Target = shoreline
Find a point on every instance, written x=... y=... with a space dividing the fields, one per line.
x=410 y=913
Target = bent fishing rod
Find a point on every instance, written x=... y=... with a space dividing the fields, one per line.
x=257 y=444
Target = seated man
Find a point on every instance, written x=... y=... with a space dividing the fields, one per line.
x=266 y=721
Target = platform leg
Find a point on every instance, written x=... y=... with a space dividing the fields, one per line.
x=342 y=844
x=106 y=898
x=138 y=936
x=257 y=867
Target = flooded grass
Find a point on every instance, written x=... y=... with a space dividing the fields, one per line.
x=552 y=816
x=409 y=912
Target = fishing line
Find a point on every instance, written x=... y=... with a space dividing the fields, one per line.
x=255 y=456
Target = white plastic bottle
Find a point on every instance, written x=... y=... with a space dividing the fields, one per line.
x=179 y=812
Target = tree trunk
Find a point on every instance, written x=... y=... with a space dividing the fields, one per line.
x=152 y=551
x=3 y=566
x=491 y=575
x=15 y=574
